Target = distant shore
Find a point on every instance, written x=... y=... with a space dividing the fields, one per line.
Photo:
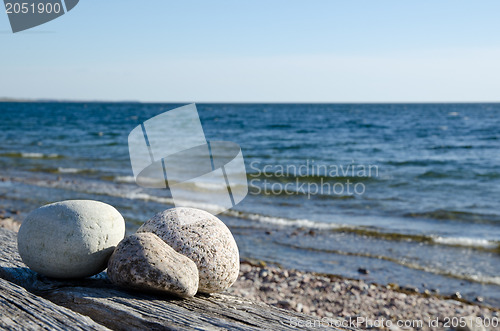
x=335 y=299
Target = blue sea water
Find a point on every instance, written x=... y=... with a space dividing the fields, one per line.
x=410 y=192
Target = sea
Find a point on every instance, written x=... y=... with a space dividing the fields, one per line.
x=405 y=194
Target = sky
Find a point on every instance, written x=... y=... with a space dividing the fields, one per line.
x=258 y=51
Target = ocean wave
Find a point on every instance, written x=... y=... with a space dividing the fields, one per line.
x=138 y=194
x=193 y=186
x=70 y=170
x=124 y=179
x=281 y=221
x=32 y=155
x=455 y=215
x=434 y=175
x=362 y=124
x=210 y=186
x=60 y=170
x=126 y=193
x=445 y=147
x=279 y=126
x=489 y=175
x=466 y=242
x=321 y=190
x=318 y=179
x=213 y=208
x=474 y=243
x=418 y=163
x=152 y=182
x=483 y=279
x=456 y=174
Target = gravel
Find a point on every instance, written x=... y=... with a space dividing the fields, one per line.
x=332 y=297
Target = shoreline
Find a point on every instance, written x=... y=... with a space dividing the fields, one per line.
x=334 y=298
x=300 y=241
x=331 y=297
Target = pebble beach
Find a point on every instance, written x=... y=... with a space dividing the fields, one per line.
x=353 y=302
x=334 y=298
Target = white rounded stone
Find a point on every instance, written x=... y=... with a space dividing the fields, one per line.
x=204 y=239
x=144 y=261
x=70 y=239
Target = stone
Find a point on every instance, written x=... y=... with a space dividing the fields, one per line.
x=144 y=261
x=70 y=239
x=204 y=239
x=363 y=271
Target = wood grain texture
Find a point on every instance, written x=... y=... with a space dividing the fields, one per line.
x=120 y=309
x=21 y=310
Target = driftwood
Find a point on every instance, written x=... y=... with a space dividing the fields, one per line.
x=20 y=309
x=95 y=303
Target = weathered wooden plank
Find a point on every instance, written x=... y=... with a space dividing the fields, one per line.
x=137 y=311
x=21 y=310
x=120 y=309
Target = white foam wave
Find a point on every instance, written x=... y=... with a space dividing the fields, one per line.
x=125 y=179
x=495 y=280
x=484 y=279
x=138 y=195
x=214 y=209
x=39 y=155
x=464 y=241
x=32 y=155
x=283 y=221
x=68 y=170
x=210 y=186
x=147 y=181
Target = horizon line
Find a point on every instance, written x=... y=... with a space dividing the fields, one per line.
x=48 y=100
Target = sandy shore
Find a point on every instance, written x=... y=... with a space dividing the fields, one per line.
x=351 y=302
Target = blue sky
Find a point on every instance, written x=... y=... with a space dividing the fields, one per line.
x=258 y=51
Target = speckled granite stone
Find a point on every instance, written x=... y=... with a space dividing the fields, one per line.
x=204 y=239
x=144 y=261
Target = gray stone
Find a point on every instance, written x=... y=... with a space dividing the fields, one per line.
x=204 y=239
x=70 y=239
x=144 y=261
